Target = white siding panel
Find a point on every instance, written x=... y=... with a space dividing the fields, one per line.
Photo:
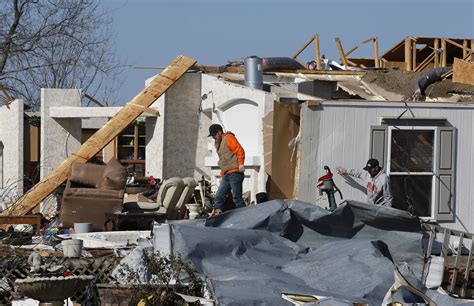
x=344 y=140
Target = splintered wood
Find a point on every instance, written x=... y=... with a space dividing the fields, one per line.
x=102 y=137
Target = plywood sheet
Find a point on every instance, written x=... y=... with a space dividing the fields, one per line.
x=286 y=126
x=463 y=72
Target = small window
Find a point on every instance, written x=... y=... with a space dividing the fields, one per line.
x=411 y=169
x=420 y=163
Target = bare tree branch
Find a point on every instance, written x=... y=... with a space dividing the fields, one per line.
x=57 y=44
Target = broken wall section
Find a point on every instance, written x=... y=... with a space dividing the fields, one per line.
x=60 y=137
x=176 y=141
x=11 y=147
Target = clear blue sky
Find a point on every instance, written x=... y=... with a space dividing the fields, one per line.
x=153 y=32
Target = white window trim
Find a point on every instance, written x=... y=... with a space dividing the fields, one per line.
x=435 y=161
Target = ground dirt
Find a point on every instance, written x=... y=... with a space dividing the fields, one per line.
x=404 y=83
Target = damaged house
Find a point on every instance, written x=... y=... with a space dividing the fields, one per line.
x=293 y=123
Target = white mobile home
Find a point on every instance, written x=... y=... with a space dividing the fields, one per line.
x=426 y=148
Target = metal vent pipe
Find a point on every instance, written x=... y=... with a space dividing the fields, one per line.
x=253 y=72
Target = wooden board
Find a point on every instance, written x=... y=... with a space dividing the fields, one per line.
x=463 y=72
x=286 y=126
x=102 y=137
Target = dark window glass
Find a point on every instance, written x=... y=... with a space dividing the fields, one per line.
x=412 y=193
x=412 y=151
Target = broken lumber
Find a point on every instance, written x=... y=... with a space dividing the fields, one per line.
x=342 y=55
x=159 y=85
x=318 y=52
x=463 y=72
x=304 y=47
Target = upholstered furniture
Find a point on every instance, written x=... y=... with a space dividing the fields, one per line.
x=189 y=186
x=91 y=191
x=168 y=196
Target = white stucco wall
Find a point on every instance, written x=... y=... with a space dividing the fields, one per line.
x=11 y=136
x=337 y=133
x=60 y=137
x=154 y=127
x=239 y=109
x=176 y=145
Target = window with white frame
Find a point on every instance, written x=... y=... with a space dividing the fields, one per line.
x=411 y=167
x=419 y=158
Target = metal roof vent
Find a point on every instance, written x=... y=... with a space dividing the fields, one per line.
x=253 y=72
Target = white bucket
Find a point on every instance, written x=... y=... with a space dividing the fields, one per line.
x=72 y=247
x=435 y=272
x=82 y=228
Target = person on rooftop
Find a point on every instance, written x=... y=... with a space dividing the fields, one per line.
x=376 y=180
x=231 y=161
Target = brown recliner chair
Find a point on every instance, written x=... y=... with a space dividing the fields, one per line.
x=91 y=191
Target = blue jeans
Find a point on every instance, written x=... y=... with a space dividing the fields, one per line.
x=232 y=181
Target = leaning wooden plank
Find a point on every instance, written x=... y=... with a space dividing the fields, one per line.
x=146 y=109
x=454 y=43
x=376 y=53
x=318 y=52
x=102 y=137
x=463 y=72
x=304 y=47
x=342 y=55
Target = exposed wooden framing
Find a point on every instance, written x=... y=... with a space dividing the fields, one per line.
x=467 y=272
x=472 y=50
x=436 y=47
x=321 y=77
x=304 y=47
x=342 y=56
x=413 y=49
x=454 y=43
x=465 y=49
x=426 y=61
x=456 y=265
x=376 y=53
x=218 y=69
x=30 y=219
x=433 y=229
x=447 y=74
x=444 y=52
x=102 y=137
x=408 y=54
x=318 y=52
x=351 y=51
x=146 y=109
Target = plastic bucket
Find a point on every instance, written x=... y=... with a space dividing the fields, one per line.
x=82 y=228
x=435 y=272
x=72 y=247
